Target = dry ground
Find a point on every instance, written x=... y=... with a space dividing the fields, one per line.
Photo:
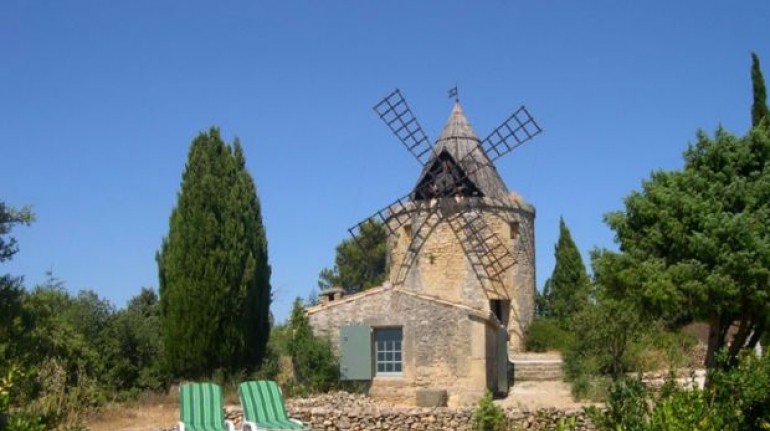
x=151 y=413
x=537 y=395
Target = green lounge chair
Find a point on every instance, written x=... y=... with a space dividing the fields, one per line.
x=264 y=409
x=201 y=409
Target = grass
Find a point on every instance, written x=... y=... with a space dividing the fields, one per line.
x=149 y=412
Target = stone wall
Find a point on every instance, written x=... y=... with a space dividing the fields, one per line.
x=442 y=268
x=444 y=345
x=342 y=411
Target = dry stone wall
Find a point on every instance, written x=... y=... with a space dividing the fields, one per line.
x=342 y=411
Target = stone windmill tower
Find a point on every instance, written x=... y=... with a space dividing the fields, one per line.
x=460 y=235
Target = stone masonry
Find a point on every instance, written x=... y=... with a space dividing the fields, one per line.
x=445 y=345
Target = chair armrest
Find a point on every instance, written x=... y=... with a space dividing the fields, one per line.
x=299 y=422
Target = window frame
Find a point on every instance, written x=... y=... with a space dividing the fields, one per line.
x=396 y=350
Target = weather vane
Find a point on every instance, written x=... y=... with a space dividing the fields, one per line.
x=453 y=93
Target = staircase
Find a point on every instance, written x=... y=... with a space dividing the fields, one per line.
x=529 y=367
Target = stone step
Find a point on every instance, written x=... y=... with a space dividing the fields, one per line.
x=532 y=356
x=534 y=370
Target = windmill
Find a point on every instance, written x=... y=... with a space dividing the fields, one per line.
x=458 y=185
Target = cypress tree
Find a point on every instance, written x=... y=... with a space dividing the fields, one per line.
x=759 y=107
x=569 y=286
x=543 y=301
x=213 y=265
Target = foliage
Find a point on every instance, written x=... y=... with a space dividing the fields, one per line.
x=614 y=335
x=213 y=266
x=135 y=346
x=359 y=265
x=543 y=301
x=18 y=419
x=71 y=356
x=14 y=321
x=64 y=399
x=627 y=407
x=738 y=399
x=316 y=369
x=697 y=240
x=545 y=334
x=488 y=416
x=9 y=217
x=568 y=288
x=759 y=106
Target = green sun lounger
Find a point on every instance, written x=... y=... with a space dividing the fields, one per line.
x=264 y=408
x=201 y=408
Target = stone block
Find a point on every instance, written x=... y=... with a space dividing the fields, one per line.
x=431 y=398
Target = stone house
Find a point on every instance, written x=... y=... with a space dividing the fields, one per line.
x=461 y=285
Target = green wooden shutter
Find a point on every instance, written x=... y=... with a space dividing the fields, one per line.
x=502 y=361
x=356 y=352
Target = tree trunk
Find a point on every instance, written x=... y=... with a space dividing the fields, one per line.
x=738 y=341
x=715 y=342
x=759 y=330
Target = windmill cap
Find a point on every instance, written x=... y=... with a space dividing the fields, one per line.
x=458 y=126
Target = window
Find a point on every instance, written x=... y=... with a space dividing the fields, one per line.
x=408 y=232
x=514 y=230
x=387 y=351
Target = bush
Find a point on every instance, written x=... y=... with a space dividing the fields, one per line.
x=545 y=334
x=316 y=368
x=737 y=399
x=627 y=407
x=63 y=401
x=15 y=419
x=487 y=416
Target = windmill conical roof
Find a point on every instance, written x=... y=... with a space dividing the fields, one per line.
x=460 y=141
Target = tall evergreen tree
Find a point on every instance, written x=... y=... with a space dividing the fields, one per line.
x=569 y=286
x=213 y=265
x=759 y=107
x=543 y=301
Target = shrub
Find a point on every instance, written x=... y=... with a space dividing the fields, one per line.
x=487 y=416
x=627 y=407
x=736 y=399
x=316 y=368
x=63 y=400
x=15 y=419
x=545 y=334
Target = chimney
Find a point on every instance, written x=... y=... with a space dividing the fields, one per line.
x=332 y=294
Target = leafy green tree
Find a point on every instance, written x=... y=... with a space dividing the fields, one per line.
x=759 y=107
x=67 y=329
x=315 y=367
x=568 y=287
x=606 y=328
x=697 y=239
x=359 y=265
x=213 y=265
x=136 y=345
x=13 y=321
x=9 y=217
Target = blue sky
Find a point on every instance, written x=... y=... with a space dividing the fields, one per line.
x=99 y=102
